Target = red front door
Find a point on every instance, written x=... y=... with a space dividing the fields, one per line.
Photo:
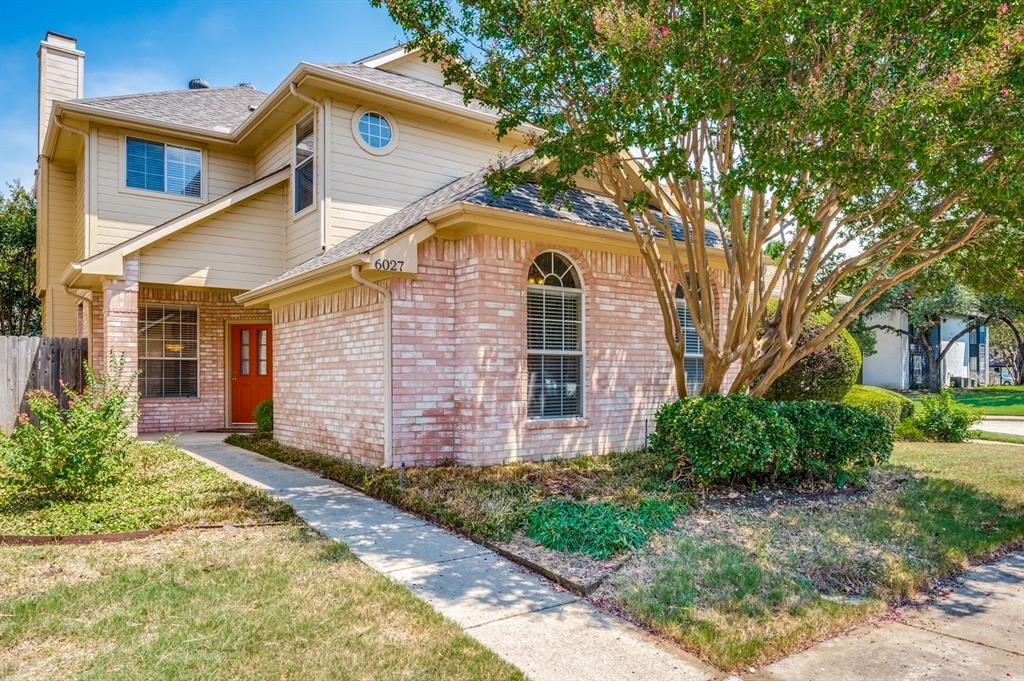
x=252 y=369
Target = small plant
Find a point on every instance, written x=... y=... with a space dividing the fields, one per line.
x=264 y=415
x=941 y=417
x=723 y=439
x=602 y=529
x=67 y=454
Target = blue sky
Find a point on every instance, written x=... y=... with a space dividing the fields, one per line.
x=144 y=47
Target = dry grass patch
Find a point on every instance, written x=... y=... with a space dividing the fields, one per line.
x=745 y=583
x=275 y=602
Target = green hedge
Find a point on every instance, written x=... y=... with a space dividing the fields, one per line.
x=885 y=403
x=743 y=439
x=264 y=415
x=827 y=374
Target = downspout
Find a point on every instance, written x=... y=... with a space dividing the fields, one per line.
x=86 y=236
x=321 y=158
x=357 y=275
x=88 y=314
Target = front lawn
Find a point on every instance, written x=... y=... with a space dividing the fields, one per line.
x=1003 y=400
x=238 y=602
x=747 y=582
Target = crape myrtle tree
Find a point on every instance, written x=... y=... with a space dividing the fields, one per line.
x=895 y=125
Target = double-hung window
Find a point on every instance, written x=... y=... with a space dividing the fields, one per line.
x=305 y=154
x=554 y=321
x=168 y=351
x=693 y=356
x=166 y=168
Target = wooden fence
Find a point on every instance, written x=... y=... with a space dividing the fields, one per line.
x=30 y=362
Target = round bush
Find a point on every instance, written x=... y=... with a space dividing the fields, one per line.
x=824 y=375
x=264 y=415
x=835 y=441
x=725 y=438
x=944 y=419
x=891 y=406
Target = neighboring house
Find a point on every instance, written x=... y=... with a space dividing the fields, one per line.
x=332 y=244
x=900 y=364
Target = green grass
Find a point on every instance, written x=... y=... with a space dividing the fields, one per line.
x=490 y=502
x=1003 y=400
x=745 y=584
x=259 y=603
x=161 y=486
x=999 y=437
x=602 y=529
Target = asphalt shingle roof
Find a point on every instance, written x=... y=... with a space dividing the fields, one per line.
x=218 y=109
x=587 y=208
x=409 y=85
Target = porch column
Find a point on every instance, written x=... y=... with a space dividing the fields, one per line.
x=121 y=321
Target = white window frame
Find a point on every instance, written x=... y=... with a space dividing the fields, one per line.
x=581 y=353
x=312 y=160
x=358 y=136
x=156 y=192
x=681 y=303
x=199 y=368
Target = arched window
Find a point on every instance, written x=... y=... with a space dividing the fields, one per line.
x=694 y=355
x=554 y=332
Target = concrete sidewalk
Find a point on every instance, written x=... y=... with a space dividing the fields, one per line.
x=975 y=633
x=546 y=632
x=1009 y=425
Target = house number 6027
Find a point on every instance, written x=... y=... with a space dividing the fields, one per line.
x=388 y=264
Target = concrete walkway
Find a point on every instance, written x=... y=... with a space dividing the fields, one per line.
x=975 y=633
x=1010 y=425
x=546 y=632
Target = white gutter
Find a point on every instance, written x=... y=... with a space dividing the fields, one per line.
x=321 y=157
x=86 y=227
x=357 y=275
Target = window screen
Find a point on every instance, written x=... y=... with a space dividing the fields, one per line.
x=163 y=167
x=554 y=331
x=305 y=146
x=693 y=360
x=168 y=351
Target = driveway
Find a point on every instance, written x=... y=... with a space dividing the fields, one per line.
x=1009 y=425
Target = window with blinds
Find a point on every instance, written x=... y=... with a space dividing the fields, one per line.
x=163 y=168
x=693 y=360
x=305 y=147
x=168 y=351
x=554 y=332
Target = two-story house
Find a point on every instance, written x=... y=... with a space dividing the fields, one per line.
x=332 y=245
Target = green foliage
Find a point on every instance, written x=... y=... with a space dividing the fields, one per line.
x=943 y=418
x=894 y=407
x=19 y=306
x=264 y=415
x=723 y=439
x=827 y=374
x=835 y=441
x=602 y=529
x=909 y=431
x=70 y=454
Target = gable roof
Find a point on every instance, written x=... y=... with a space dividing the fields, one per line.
x=587 y=208
x=220 y=109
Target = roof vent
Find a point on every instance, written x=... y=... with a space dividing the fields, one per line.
x=198 y=84
x=248 y=85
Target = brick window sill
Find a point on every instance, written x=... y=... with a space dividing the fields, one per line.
x=544 y=424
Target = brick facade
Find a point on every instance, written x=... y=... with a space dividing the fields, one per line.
x=329 y=375
x=115 y=328
x=460 y=363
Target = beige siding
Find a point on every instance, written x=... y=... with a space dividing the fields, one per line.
x=80 y=202
x=238 y=249
x=61 y=307
x=413 y=67
x=430 y=154
x=121 y=214
x=60 y=80
x=302 y=236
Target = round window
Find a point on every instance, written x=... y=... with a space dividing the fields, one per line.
x=375 y=130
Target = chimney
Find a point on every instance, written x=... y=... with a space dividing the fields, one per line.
x=61 y=75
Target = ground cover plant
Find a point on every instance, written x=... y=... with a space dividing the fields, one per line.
x=747 y=582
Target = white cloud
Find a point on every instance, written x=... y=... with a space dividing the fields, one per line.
x=106 y=83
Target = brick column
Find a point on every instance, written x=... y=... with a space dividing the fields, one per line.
x=120 y=321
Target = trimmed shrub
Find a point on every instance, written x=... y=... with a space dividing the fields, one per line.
x=66 y=455
x=824 y=375
x=264 y=415
x=721 y=439
x=835 y=441
x=602 y=529
x=941 y=417
x=892 y=406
